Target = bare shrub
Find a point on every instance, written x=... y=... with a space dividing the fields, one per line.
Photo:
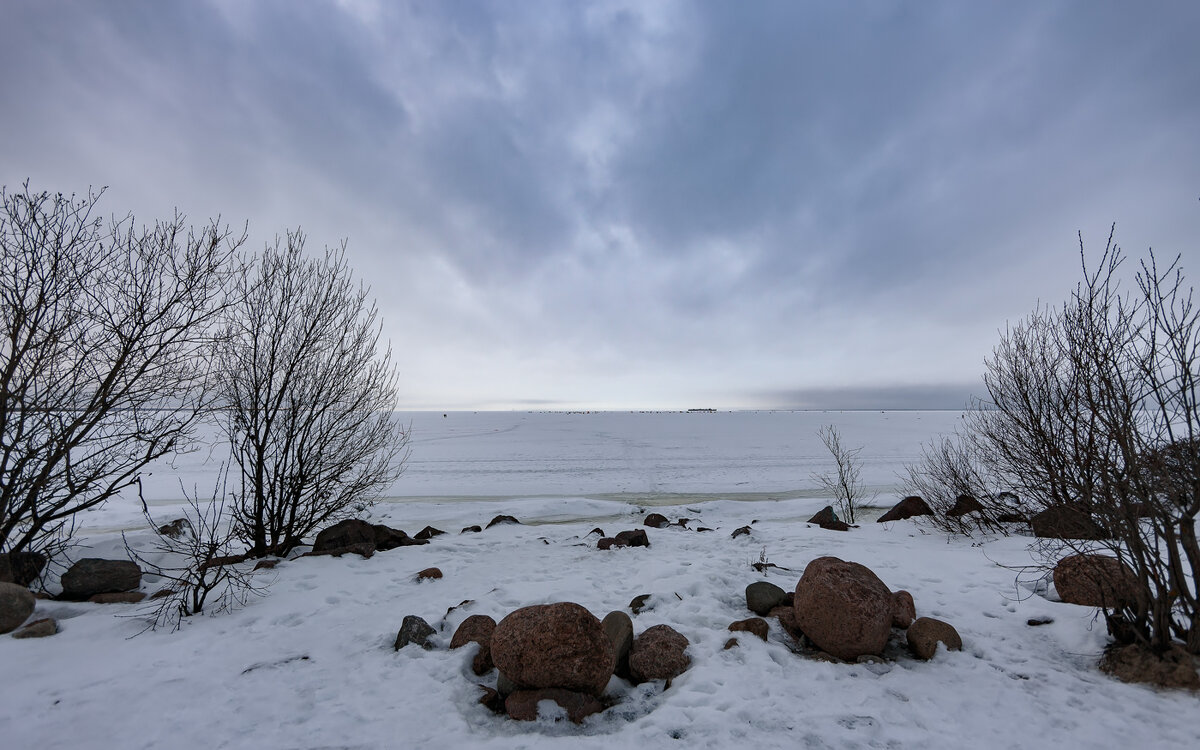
x=949 y=469
x=844 y=483
x=308 y=397
x=103 y=333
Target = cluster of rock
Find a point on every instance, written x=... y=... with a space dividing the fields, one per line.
x=89 y=579
x=559 y=653
x=844 y=610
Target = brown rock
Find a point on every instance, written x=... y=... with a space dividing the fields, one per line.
x=95 y=576
x=843 y=608
x=471 y=530
x=659 y=653
x=731 y=643
x=38 y=629
x=823 y=516
x=176 y=528
x=502 y=519
x=1066 y=522
x=387 y=538
x=16 y=605
x=1095 y=581
x=1133 y=663
x=640 y=603
x=963 y=505
x=619 y=629
x=119 y=597
x=656 y=521
x=522 y=705
x=787 y=618
x=609 y=543
x=428 y=532
x=836 y=526
x=740 y=531
x=755 y=625
x=907 y=508
x=904 y=609
x=429 y=574
x=345 y=534
x=476 y=629
x=491 y=699
x=925 y=633
x=634 y=538
x=554 y=645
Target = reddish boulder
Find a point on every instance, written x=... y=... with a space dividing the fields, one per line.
x=823 y=516
x=522 y=705
x=843 y=608
x=755 y=625
x=659 y=653
x=656 y=521
x=476 y=629
x=634 y=538
x=554 y=646
x=1095 y=581
x=907 y=508
x=925 y=633
x=904 y=609
x=963 y=505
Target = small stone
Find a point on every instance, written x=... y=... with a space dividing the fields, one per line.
x=471 y=530
x=502 y=519
x=597 y=531
x=909 y=507
x=763 y=596
x=609 y=543
x=731 y=643
x=176 y=528
x=1034 y=622
x=428 y=533
x=38 y=629
x=925 y=633
x=823 y=516
x=504 y=686
x=739 y=532
x=429 y=574
x=639 y=604
x=416 y=631
x=95 y=576
x=755 y=625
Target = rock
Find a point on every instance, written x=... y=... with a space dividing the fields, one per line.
x=95 y=576
x=619 y=629
x=656 y=521
x=1095 y=581
x=1133 y=663
x=634 y=538
x=1065 y=522
x=38 y=629
x=21 y=568
x=739 y=532
x=16 y=605
x=266 y=564
x=522 y=705
x=118 y=597
x=823 y=516
x=504 y=686
x=904 y=609
x=429 y=574
x=343 y=535
x=763 y=596
x=176 y=528
x=702 y=529
x=659 y=653
x=414 y=630
x=609 y=543
x=755 y=625
x=366 y=549
x=843 y=608
x=1034 y=622
x=428 y=533
x=471 y=530
x=502 y=519
x=963 y=505
x=786 y=616
x=162 y=593
x=639 y=603
x=386 y=538
x=1011 y=518
x=491 y=700
x=836 y=526
x=558 y=645
x=731 y=643
x=925 y=633
x=909 y=507
x=476 y=629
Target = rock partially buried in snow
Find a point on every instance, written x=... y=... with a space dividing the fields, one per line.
x=429 y=574
x=925 y=633
x=656 y=521
x=740 y=531
x=640 y=603
x=43 y=628
x=1065 y=522
x=558 y=645
x=755 y=625
x=501 y=519
x=1095 y=581
x=963 y=505
x=909 y=507
x=843 y=608
x=524 y=705
x=428 y=532
x=16 y=605
x=764 y=596
x=416 y=631
x=904 y=609
x=476 y=629
x=634 y=538
x=659 y=653
x=350 y=534
x=95 y=576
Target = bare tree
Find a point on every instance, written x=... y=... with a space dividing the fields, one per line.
x=1093 y=410
x=309 y=397
x=845 y=483
x=102 y=331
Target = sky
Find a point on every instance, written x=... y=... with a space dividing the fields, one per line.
x=630 y=204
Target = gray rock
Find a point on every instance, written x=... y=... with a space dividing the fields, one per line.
x=38 y=629
x=92 y=576
x=16 y=605
x=416 y=631
x=619 y=629
x=763 y=596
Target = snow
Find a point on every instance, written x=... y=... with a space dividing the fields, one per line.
x=311 y=664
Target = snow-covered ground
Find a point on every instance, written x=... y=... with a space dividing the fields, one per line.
x=311 y=664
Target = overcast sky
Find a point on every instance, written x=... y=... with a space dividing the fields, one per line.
x=641 y=204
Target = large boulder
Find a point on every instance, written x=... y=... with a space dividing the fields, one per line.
x=558 y=645
x=843 y=608
x=925 y=633
x=16 y=605
x=909 y=507
x=823 y=516
x=1065 y=522
x=659 y=653
x=476 y=629
x=1095 y=581
x=633 y=538
x=21 y=568
x=764 y=596
x=91 y=576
